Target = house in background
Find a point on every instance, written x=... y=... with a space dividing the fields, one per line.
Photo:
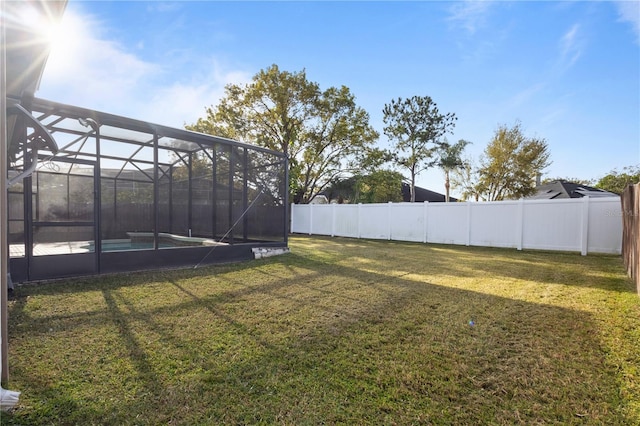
x=423 y=195
x=343 y=191
x=564 y=189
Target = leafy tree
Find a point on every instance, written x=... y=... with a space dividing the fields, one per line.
x=451 y=160
x=568 y=179
x=261 y=168
x=510 y=164
x=466 y=179
x=617 y=181
x=201 y=165
x=342 y=190
x=320 y=131
x=416 y=127
x=380 y=186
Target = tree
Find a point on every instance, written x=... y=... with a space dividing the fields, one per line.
x=511 y=163
x=466 y=179
x=342 y=190
x=451 y=160
x=416 y=127
x=320 y=132
x=568 y=179
x=617 y=181
x=381 y=186
x=200 y=166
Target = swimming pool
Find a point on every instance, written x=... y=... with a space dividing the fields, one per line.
x=136 y=242
x=122 y=245
x=144 y=241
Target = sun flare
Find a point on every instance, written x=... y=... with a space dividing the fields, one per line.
x=48 y=29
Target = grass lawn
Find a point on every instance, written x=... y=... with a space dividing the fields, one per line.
x=338 y=332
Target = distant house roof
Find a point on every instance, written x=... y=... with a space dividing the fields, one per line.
x=565 y=189
x=345 y=190
x=423 y=195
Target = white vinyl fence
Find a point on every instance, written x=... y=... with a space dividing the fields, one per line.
x=587 y=225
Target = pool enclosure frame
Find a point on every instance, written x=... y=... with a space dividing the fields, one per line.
x=94 y=193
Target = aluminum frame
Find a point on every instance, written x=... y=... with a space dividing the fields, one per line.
x=127 y=152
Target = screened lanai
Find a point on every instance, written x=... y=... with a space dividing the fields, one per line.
x=112 y=194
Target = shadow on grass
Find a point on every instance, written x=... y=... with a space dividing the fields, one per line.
x=302 y=340
x=405 y=257
x=561 y=268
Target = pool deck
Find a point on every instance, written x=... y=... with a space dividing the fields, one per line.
x=50 y=249
x=178 y=240
x=75 y=247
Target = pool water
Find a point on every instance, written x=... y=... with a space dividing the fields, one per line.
x=118 y=246
x=128 y=245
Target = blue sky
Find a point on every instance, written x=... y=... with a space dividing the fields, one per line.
x=569 y=71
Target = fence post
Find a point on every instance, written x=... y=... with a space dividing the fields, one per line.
x=468 y=223
x=359 y=220
x=390 y=206
x=520 y=224
x=630 y=204
x=584 y=243
x=333 y=220
x=310 y=219
x=425 y=222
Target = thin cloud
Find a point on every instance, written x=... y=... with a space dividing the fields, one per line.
x=571 y=46
x=553 y=115
x=164 y=7
x=629 y=11
x=524 y=96
x=181 y=103
x=87 y=69
x=93 y=72
x=470 y=15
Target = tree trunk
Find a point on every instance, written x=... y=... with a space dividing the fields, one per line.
x=446 y=186
x=413 y=186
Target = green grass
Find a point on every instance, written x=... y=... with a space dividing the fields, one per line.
x=338 y=332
